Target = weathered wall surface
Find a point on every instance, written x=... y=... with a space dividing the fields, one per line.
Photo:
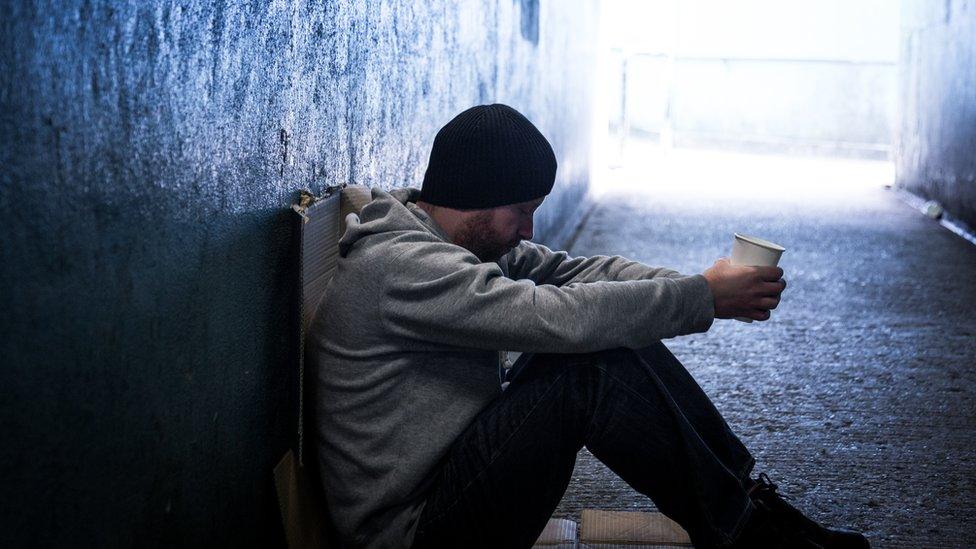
x=936 y=145
x=150 y=154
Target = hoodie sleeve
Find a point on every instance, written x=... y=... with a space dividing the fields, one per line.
x=442 y=293
x=543 y=266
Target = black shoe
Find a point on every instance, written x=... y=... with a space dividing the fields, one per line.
x=762 y=532
x=790 y=519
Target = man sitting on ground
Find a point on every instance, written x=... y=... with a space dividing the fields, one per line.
x=419 y=445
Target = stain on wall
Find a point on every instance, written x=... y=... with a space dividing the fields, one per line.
x=147 y=263
x=936 y=145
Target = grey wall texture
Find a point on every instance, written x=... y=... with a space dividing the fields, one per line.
x=936 y=143
x=151 y=151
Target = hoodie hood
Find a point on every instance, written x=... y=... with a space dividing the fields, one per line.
x=389 y=211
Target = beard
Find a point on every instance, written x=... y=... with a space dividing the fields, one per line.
x=477 y=236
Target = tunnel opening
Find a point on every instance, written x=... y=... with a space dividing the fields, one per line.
x=786 y=79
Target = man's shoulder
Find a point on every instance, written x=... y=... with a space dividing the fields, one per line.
x=401 y=255
x=392 y=244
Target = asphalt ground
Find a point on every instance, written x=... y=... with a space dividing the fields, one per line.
x=858 y=396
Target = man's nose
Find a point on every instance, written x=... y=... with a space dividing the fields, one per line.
x=525 y=230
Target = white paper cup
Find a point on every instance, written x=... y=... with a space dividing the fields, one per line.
x=754 y=252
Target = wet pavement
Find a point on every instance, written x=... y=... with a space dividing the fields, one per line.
x=858 y=397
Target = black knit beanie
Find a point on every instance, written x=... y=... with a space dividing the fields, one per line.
x=488 y=156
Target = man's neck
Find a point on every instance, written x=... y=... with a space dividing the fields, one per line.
x=444 y=217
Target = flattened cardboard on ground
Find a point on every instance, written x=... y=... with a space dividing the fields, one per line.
x=558 y=534
x=627 y=529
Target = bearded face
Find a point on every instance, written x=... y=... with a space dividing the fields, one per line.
x=481 y=237
x=489 y=234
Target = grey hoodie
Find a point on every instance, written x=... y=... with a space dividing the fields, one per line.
x=404 y=347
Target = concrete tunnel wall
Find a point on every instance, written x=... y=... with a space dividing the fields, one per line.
x=147 y=263
x=936 y=145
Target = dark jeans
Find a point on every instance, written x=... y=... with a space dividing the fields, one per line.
x=638 y=411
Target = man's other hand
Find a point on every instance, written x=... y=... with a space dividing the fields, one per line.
x=748 y=292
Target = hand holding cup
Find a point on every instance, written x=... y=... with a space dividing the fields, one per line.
x=748 y=287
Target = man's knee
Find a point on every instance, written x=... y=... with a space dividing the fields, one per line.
x=634 y=365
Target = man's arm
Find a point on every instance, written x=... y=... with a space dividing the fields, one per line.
x=441 y=293
x=543 y=266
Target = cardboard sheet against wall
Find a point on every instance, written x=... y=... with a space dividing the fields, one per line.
x=300 y=504
x=321 y=222
x=299 y=497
